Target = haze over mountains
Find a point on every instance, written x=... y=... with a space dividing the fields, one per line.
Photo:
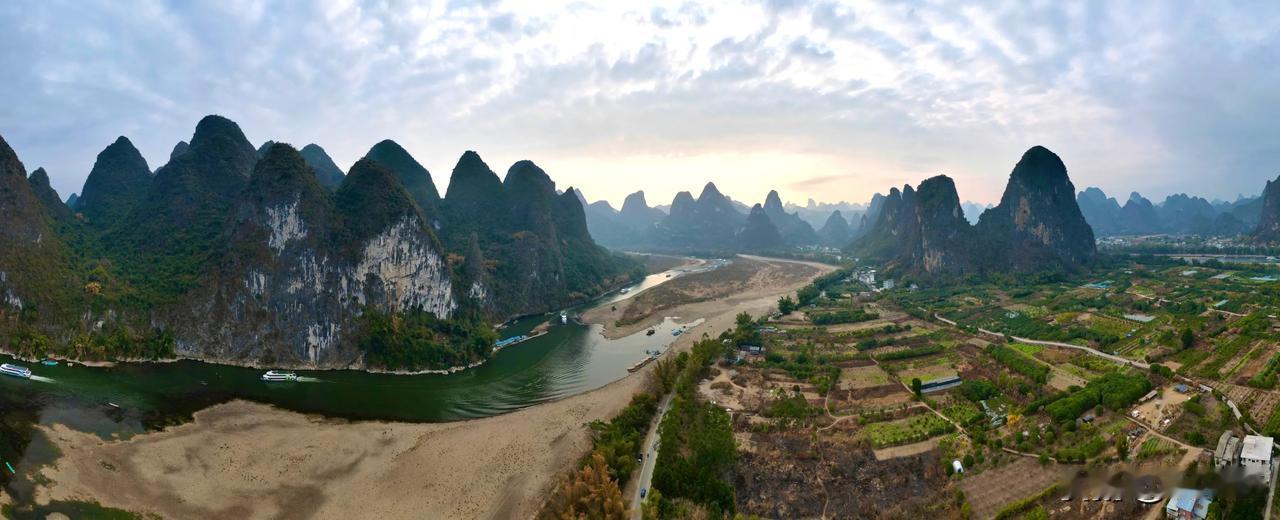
x=1179 y=213
x=274 y=255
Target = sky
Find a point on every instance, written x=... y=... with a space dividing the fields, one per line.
x=825 y=100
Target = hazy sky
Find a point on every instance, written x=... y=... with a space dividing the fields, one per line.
x=833 y=101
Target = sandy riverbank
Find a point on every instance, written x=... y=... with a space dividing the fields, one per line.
x=705 y=294
x=245 y=460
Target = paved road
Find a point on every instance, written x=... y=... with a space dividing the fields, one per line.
x=1112 y=357
x=644 y=476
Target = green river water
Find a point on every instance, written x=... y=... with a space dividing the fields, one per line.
x=130 y=398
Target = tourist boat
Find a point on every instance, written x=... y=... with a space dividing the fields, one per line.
x=15 y=371
x=564 y=318
x=49 y=363
x=278 y=376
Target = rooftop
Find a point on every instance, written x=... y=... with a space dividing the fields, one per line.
x=1256 y=448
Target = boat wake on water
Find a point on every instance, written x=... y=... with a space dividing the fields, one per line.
x=304 y=379
x=42 y=379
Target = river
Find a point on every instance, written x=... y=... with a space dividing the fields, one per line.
x=130 y=398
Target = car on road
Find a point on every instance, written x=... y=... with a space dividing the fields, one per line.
x=642 y=490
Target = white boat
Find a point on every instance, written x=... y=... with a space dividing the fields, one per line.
x=564 y=318
x=15 y=371
x=278 y=376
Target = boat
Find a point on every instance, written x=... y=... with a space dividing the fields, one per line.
x=564 y=318
x=279 y=376
x=650 y=333
x=49 y=363
x=639 y=365
x=15 y=371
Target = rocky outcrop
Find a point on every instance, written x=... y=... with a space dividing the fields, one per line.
x=1138 y=217
x=33 y=259
x=415 y=178
x=795 y=231
x=304 y=265
x=178 y=149
x=118 y=181
x=47 y=196
x=921 y=229
x=836 y=231
x=708 y=223
x=1038 y=224
x=759 y=233
x=637 y=215
x=229 y=255
x=1268 y=229
x=328 y=173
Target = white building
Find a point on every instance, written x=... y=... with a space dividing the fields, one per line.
x=1255 y=457
x=1244 y=459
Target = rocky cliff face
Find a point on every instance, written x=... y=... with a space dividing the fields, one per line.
x=1268 y=229
x=304 y=265
x=1038 y=224
x=228 y=255
x=921 y=229
x=946 y=238
x=32 y=257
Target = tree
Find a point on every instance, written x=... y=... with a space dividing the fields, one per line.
x=586 y=493
x=1122 y=447
x=915 y=386
x=1188 y=338
x=786 y=304
x=968 y=460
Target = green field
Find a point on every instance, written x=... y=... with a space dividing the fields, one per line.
x=905 y=431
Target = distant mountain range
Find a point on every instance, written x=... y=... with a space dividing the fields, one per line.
x=1177 y=214
x=273 y=255
x=712 y=223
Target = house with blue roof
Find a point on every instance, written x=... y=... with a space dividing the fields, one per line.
x=1188 y=504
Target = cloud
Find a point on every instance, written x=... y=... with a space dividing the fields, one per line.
x=1134 y=96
